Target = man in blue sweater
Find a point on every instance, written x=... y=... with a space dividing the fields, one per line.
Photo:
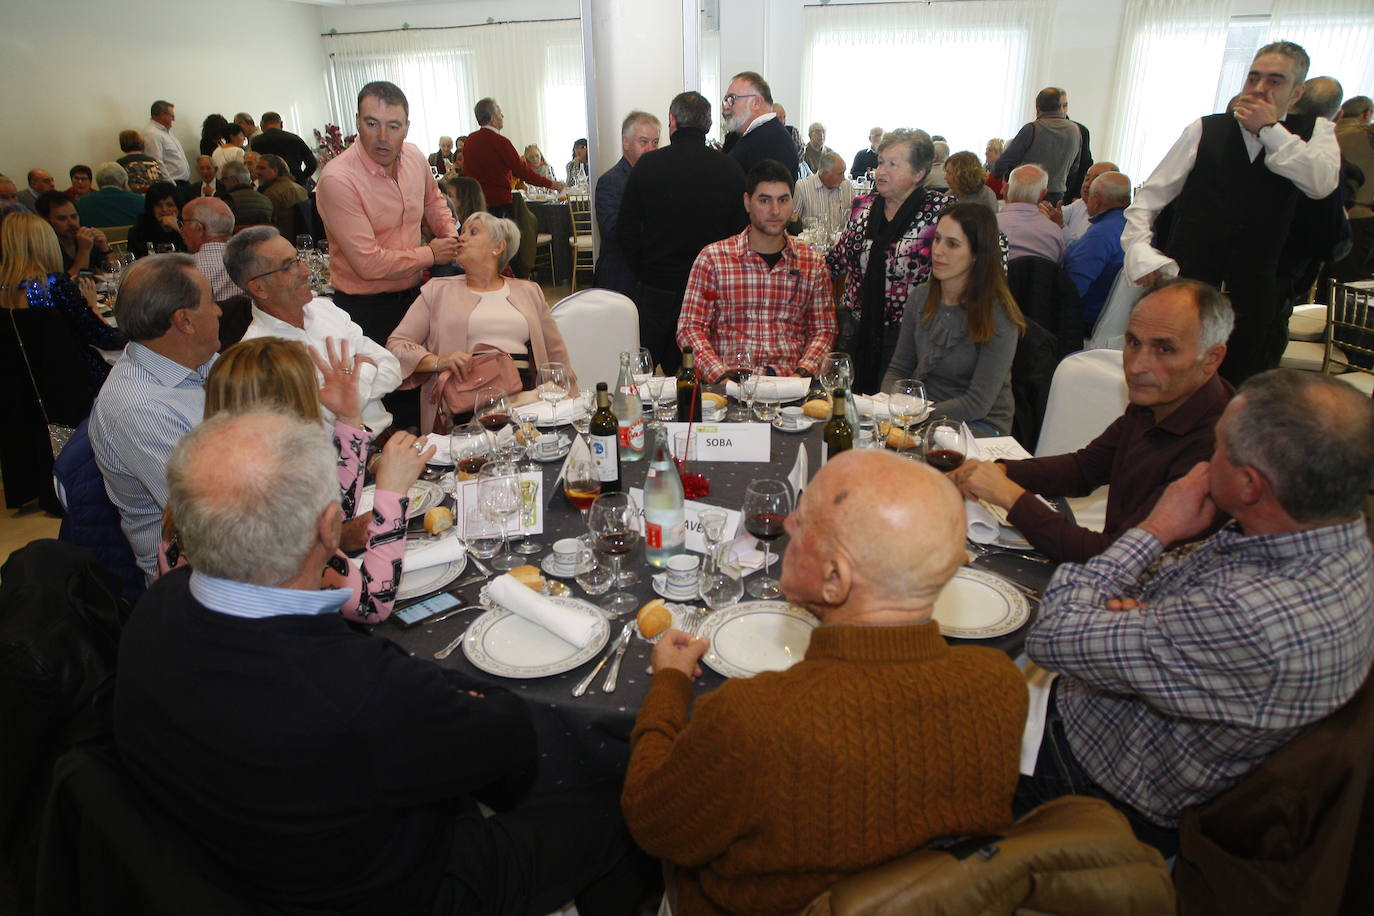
x=1094 y=260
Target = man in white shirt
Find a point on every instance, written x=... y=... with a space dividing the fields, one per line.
x=1233 y=181
x=827 y=194
x=267 y=268
x=1073 y=217
x=159 y=143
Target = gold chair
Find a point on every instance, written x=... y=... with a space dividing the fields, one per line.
x=1349 y=338
x=584 y=257
x=116 y=234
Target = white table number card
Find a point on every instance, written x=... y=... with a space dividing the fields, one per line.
x=728 y=441
x=529 y=520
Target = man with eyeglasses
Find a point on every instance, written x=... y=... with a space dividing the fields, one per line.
x=747 y=112
x=206 y=224
x=269 y=270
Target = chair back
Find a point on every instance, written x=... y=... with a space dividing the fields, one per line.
x=1071 y=855
x=115 y=234
x=583 y=246
x=1350 y=321
x=597 y=325
x=1116 y=314
x=236 y=314
x=1048 y=297
x=528 y=224
x=1088 y=392
x=1032 y=374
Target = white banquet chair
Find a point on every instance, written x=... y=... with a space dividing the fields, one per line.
x=597 y=325
x=1116 y=314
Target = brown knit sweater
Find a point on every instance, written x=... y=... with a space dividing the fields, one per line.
x=881 y=739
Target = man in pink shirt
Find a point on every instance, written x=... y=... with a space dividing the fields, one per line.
x=372 y=198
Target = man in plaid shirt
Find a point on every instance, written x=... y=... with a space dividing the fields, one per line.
x=760 y=292
x=1174 y=686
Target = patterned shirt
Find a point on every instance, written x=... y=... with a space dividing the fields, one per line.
x=1242 y=644
x=782 y=315
x=210 y=261
x=829 y=205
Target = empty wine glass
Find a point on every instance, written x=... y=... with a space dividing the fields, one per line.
x=612 y=522
x=717 y=587
x=767 y=503
x=304 y=242
x=944 y=444
x=661 y=387
x=552 y=384
x=582 y=419
x=499 y=493
x=910 y=395
x=836 y=371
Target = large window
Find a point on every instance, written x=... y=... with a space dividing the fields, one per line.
x=962 y=70
x=533 y=69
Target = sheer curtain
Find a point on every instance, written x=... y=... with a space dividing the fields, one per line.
x=1337 y=34
x=533 y=69
x=967 y=70
x=1171 y=51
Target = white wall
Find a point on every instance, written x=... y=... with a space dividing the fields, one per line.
x=439 y=15
x=75 y=73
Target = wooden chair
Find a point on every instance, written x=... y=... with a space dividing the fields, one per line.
x=543 y=253
x=584 y=256
x=1350 y=323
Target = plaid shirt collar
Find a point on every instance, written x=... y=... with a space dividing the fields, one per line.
x=743 y=251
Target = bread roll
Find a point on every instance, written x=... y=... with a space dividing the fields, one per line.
x=895 y=435
x=529 y=577
x=817 y=408
x=438 y=520
x=653 y=618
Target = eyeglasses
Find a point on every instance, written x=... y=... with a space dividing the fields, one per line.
x=183 y=223
x=298 y=259
x=729 y=100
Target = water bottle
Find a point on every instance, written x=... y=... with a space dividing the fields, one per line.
x=629 y=411
x=665 y=522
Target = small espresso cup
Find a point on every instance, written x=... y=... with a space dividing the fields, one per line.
x=566 y=553
x=682 y=573
x=791 y=416
x=546 y=445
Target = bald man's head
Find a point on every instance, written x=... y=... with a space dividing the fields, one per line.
x=873 y=532
x=1110 y=191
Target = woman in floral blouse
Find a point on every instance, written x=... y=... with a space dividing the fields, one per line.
x=884 y=253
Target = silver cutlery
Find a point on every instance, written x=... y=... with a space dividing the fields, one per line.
x=447 y=650
x=610 y=684
x=989 y=550
x=586 y=682
x=481 y=567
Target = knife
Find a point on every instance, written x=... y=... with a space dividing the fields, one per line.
x=586 y=682
x=609 y=686
x=481 y=567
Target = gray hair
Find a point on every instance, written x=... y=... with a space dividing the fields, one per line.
x=1321 y=98
x=152 y=290
x=241 y=259
x=690 y=109
x=275 y=163
x=112 y=175
x=1113 y=188
x=627 y=126
x=235 y=170
x=832 y=160
x=1311 y=436
x=940 y=151
x=920 y=152
x=1026 y=183
x=758 y=82
x=484 y=111
x=214 y=214
x=1293 y=52
x=818 y=124
x=1356 y=106
x=256 y=518
x=503 y=230
x=1216 y=318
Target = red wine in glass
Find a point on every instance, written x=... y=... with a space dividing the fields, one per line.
x=944 y=459
x=617 y=543
x=494 y=422
x=471 y=464
x=766 y=526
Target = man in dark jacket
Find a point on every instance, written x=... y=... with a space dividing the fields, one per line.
x=294 y=151
x=677 y=201
x=747 y=112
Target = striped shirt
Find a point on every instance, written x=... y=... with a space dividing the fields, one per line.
x=147 y=404
x=829 y=205
x=210 y=261
x=254 y=602
x=1243 y=643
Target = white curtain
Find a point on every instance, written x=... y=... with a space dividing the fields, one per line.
x=966 y=70
x=1338 y=36
x=1171 y=52
x=533 y=69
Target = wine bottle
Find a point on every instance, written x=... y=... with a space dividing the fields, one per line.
x=688 y=389
x=839 y=433
x=665 y=521
x=603 y=432
x=629 y=412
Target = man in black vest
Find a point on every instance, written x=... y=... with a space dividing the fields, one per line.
x=1234 y=181
x=747 y=112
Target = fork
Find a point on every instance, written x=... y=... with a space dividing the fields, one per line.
x=987 y=550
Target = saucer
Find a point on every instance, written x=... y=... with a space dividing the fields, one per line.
x=550 y=569
x=564 y=446
x=805 y=424
x=661 y=587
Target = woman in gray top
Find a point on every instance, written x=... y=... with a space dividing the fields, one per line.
x=960 y=329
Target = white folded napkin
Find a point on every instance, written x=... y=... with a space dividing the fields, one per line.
x=743 y=556
x=422 y=554
x=569 y=625
x=982 y=524
x=669 y=390
x=442 y=453
x=545 y=413
x=800 y=474
x=877 y=406
x=774 y=388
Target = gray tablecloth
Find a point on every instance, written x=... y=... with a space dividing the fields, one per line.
x=586 y=739
x=555 y=219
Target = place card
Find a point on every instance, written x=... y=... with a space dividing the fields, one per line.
x=696 y=536
x=728 y=441
x=529 y=520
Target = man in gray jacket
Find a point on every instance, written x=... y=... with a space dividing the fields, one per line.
x=1051 y=141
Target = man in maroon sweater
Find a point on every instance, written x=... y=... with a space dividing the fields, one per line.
x=492 y=160
x=1174 y=343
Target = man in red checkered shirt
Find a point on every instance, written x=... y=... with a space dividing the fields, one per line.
x=760 y=292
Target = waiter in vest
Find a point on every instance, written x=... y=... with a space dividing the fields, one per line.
x=1234 y=181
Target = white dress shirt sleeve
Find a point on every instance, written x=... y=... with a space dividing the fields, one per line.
x=1314 y=166
x=1163 y=185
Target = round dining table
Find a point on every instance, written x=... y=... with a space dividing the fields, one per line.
x=585 y=740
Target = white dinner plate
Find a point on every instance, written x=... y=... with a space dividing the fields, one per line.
x=417 y=582
x=756 y=636
x=424 y=495
x=978 y=605
x=503 y=643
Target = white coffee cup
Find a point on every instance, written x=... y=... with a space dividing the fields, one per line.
x=566 y=553
x=791 y=416
x=682 y=573
x=546 y=445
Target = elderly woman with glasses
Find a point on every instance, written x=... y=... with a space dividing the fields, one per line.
x=455 y=317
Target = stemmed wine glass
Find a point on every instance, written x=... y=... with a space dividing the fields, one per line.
x=738 y=367
x=907 y=402
x=612 y=524
x=944 y=444
x=660 y=409
x=836 y=371
x=499 y=493
x=469 y=446
x=493 y=412
x=716 y=586
x=767 y=504
x=580 y=485
x=552 y=385
x=582 y=419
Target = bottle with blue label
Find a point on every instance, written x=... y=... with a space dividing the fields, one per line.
x=603 y=436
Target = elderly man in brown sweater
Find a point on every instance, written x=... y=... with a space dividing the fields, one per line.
x=882 y=738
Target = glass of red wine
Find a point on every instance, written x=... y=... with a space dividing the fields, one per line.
x=613 y=524
x=767 y=504
x=491 y=410
x=944 y=444
x=470 y=447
